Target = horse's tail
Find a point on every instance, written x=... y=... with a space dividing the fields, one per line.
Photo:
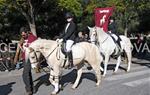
x=129 y=43
x=126 y=41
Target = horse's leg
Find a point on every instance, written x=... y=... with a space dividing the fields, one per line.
x=98 y=73
x=118 y=63
x=105 y=64
x=56 y=85
x=54 y=81
x=79 y=73
x=51 y=77
x=129 y=57
x=128 y=50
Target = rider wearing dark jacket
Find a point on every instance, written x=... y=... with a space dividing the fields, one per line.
x=69 y=35
x=70 y=32
x=112 y=27
x=113 y=30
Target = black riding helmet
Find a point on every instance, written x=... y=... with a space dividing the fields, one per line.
x=69 y=15
x=24 y=29
x=112 y=18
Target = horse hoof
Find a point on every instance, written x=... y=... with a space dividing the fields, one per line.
x=127 y=71
x=98 y=85
x=73 y=88
x=103 y=76
x=54 y=93
x=114 y=73
x=61 y=87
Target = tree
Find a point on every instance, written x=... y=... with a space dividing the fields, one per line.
x=46 y=17
x=28 y=8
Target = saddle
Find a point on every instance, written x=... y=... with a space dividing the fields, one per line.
x=68 y=55
x=63 y=49
x=117 y=42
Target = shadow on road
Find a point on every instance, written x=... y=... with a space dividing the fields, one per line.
x=64 y=80
x=6 y=89
x=112 y=67
x=71 y=77
x=40 y=81
x=142 y=64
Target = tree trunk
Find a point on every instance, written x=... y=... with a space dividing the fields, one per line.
x=33 y=29
x=126 y=31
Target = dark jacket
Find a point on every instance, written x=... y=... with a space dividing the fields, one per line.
x=70 y=33
x=112 y=28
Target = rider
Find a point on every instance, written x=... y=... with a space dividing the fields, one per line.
x=69 y=36
x=113 y=31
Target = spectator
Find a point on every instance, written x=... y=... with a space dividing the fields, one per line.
x=27 y=38
x=80 y=37
x=6 y=53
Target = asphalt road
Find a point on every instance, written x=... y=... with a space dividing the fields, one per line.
x=135 y=82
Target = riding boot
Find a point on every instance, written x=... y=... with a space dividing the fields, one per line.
x=118 y=42
x=70 y=59
x=120 y=50
x=119 y=38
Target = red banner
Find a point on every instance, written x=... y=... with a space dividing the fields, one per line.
x=102 y=17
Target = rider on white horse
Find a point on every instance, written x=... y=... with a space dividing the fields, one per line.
x=113 y=32
x=69 y=36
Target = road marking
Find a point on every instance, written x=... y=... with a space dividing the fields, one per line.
x=137 y=82
x=85 y=70
x=134 y=68
x=128 y=75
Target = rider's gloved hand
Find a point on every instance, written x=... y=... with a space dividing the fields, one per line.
x=57 y=40
x=60 y=40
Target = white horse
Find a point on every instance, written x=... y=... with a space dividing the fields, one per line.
x=108 y=47
x=55 y=58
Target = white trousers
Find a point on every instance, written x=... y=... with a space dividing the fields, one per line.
x=69 y=44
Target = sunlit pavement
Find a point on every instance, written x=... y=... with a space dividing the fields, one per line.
x=135 y=82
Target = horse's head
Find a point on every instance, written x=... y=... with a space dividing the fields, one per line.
x=97 y=34
x=92 y=34
x=34 y=56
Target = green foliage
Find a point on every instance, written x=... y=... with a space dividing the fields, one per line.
x=49 y=16
x=71 y=5
x=91 y=6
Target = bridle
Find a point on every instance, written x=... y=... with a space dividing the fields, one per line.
x=97 y=37
x=39 y=62
x=33 y=51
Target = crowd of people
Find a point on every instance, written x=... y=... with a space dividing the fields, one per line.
x=7 y=51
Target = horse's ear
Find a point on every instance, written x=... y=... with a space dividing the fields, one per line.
x=89 y=27
x=31 y=49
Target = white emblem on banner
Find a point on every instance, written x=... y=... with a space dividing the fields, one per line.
x=102 y=21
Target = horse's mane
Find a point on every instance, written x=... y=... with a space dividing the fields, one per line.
x=101 y=34
x=42 y=43
x=100 y=30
